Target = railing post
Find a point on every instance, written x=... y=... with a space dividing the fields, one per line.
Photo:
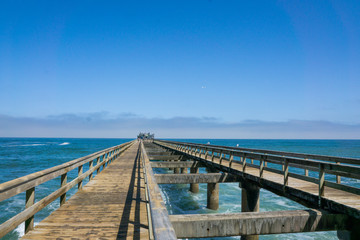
x=108 y=159
x=244 y=163
x=231 y=158
x=265 y=162
x=220 y=157
x=306 y=170
x=116 y=154
x=261 y=169
x=80 y=171
x=321 y=182
x=206 y=153
x=103 y=162
x=338 y=177
x=286 y=172
x=212 y=155
x=91 y=164
x=63 y=183
x=97 y=163
x=30 y=200
x=112 y=156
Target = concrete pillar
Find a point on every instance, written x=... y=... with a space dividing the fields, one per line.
x=250 y=202
x=183 y=170
x=176 y=170
x=213 y=196
x=194 y=187
x=212 y=192
x=172 y=168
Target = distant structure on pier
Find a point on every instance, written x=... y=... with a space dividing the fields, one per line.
x=145 y=136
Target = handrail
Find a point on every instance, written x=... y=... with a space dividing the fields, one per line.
x=286 y=159
x=160 y=221
x=347 y=160
x=28 y=183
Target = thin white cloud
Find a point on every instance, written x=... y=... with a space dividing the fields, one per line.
x=103 y=124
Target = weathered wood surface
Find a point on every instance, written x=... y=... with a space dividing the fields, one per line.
x=195 y=178
x=179 y=164
x=165 y=157
x=302 y=191
x=111 y=206
x=346 y=160
x=235 y=224
x=162 y=227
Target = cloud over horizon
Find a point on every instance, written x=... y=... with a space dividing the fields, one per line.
x=128 y=125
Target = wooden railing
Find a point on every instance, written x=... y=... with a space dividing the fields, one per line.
x=160 y=226
x=30 y=182
x=337 y=166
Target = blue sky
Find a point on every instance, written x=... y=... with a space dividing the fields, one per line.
x=239 y=69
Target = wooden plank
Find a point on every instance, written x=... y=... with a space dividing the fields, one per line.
x=256 y=223
x=162 y=227
x=111 y=206
x=195 y=178
x=181 y=164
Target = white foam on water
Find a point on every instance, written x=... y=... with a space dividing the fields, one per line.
x=28 y=145
x=20 y=230
x=64 y=143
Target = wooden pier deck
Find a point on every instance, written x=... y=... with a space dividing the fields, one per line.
x=111 y=206
x=123 y=200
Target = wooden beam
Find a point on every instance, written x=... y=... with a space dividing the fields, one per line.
x=195 y=178
x=165 y=157
x=161 y=224
x=260 y=223
x=181 y=164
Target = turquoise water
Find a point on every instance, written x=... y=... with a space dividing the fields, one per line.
x=22 y=156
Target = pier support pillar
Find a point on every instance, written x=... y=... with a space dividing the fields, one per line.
x=213 y=196
x=183 y=170
x=250 y=202
x=194 y=187
x=212 y=192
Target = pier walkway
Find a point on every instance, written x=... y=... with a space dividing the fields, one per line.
x=111 y=206
x=123 y=200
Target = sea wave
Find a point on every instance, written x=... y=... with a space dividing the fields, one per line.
x=22 y=145
x=64 y=143
x=20 y=230
x=31 y=145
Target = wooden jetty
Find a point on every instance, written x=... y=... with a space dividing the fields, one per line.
x=122 y=199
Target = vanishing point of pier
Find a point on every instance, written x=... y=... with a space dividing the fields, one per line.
x=122 y=199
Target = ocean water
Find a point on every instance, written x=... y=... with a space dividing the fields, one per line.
x=22 y=156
